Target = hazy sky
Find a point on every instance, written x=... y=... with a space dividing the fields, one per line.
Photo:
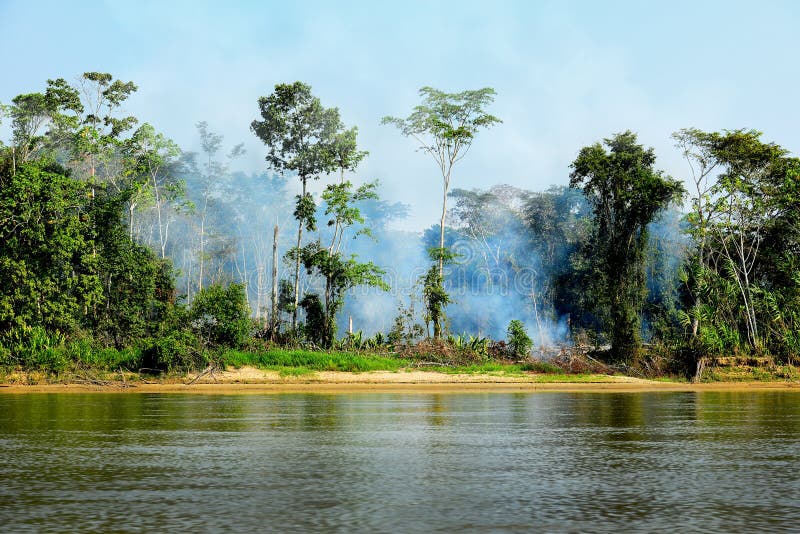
x=566 y=73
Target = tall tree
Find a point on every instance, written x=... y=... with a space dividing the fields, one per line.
x=734 y=214
x=445 y=125
x=154 y=159
x=98 y=135
x=626 y=193
x=298 y=132
x=698 y=149
x=212 y=188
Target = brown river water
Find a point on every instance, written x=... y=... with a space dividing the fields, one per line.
x=401 y=462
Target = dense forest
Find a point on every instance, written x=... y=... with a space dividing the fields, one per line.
x=116 y=243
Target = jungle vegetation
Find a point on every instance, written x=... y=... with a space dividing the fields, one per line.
x=114 y=241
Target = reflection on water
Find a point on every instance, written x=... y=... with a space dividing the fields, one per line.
x=400 y=462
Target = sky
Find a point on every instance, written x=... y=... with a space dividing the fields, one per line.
x=567 y=73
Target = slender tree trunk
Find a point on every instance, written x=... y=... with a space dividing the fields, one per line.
x=244 y=274
x=441 y=233
x=273 y=316
x=166 y=239
x=202 y=245
x=327 y=335
x=189 y=264
x=131 y=207
x=161 y=231
x=297 y=264
x=537 y=318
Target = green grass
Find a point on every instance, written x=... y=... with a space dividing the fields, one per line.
x=279 y=359
x=502 y=369
x=541 y=367
x=487 y=368
x=303 y=362
x=751 y=374
x=544 y=372
x=295 y=371
x=671 y=379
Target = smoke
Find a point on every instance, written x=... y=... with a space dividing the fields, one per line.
x=498 y=274
x=515 y=252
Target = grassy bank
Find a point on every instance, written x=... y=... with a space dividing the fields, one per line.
x=305 y=360
x=82 y=364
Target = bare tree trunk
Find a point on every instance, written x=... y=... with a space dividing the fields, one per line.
x=188 y=276
x=202 y=246
x=244 y=273
x=162 y=238
x=701 y=367
x=537 y=318
x=273 y=316
x=441 y=232
x=131 y=207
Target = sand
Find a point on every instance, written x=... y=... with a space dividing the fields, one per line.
x=252 y=380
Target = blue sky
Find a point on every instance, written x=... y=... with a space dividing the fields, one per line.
x=567 y=73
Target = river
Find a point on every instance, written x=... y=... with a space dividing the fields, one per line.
x=400 y=462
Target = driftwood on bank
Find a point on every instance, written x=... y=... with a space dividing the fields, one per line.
x=85 y=375
x=207 y=371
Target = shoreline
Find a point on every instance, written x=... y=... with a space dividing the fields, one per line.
x=248 y=380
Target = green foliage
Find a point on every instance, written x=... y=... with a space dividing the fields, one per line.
x=444 y=125
x=315 y=329
x=541 y=367
x=740 y=285
x=84 y=351
x=518 y=340
x=173 y=351
x=33 y=347
x=626 y=193
x=474 y=344
x=317 y=361
x=357 y=341
x=435 y=298
x=297 y=130
x=405 y=329
x=220 y=317
x=48 y=277
x=285 y=296
x=340 y=275
x=340 y=203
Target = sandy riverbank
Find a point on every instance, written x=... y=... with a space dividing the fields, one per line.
x=251 y=380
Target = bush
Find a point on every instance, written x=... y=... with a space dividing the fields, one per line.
x=176 y=350
x=220 y=316
x=87 y=352
x=35 y=348
x=518 y=340
x=5 y=357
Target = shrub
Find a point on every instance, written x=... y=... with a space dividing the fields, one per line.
x=176 y=350
x=35 y=348
x=518 y=340
x=220 y=316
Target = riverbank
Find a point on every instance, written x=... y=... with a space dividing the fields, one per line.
x=252 y=380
